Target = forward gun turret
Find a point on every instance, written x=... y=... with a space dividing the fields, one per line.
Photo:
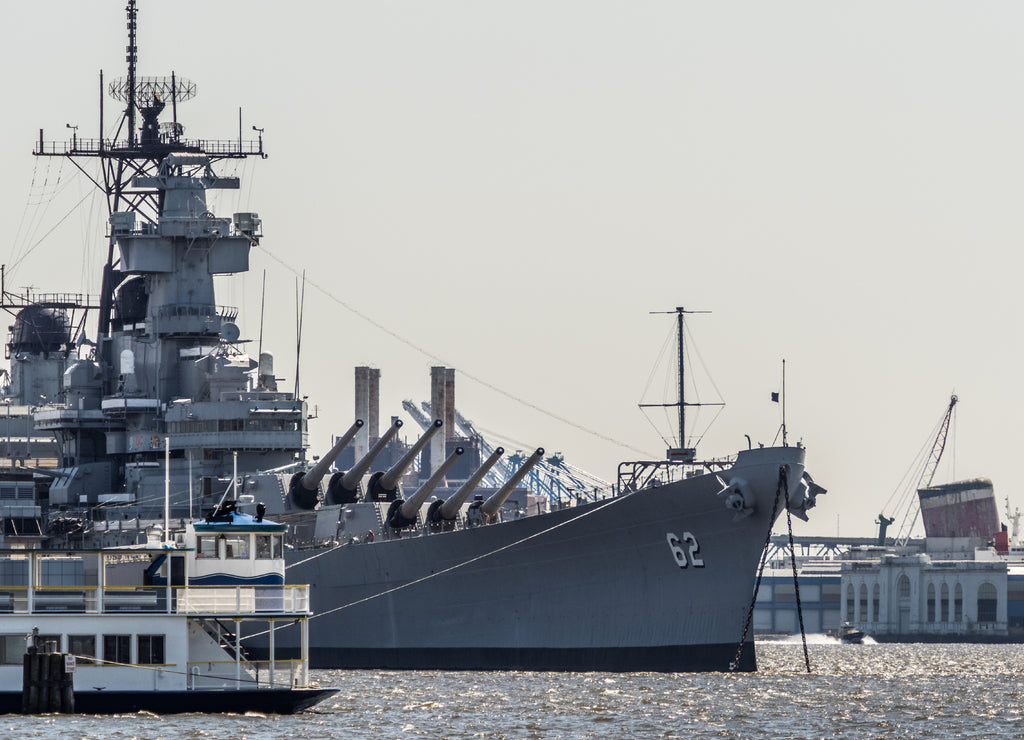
x=490 y=507
x=304 y=487
x=442 y=513
x=403 y=513
x=383 y=485
x=343 y=488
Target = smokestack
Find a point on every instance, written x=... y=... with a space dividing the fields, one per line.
x=449 y=403
x=362 y=440
x=439 y=407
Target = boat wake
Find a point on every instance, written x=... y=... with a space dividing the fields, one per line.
x=816 y=638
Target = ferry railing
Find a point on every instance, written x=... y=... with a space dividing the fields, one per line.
x=242 y=599
x=216 y=675
x=86 y=599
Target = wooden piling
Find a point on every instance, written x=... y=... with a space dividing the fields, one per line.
x=46 y=686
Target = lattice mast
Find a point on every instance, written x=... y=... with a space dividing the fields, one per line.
x=137 y=151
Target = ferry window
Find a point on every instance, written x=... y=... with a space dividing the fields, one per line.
x=151 y=649
x=237 y=547
x=12 y=649
x=83 y=647
x=206 y=547
x=117 y=648
x=268 y=547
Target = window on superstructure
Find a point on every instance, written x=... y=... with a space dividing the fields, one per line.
x=12 y=649
x=931 y=602
x=117 y=648
x=83 y=647
x=849 y=603
x=877 y=598
x=150 y=649
x=206 y=546
x=237 y=547
x=903 y=587
x=958 y=603
x=268 y=546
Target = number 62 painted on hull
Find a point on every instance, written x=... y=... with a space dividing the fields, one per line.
x=685 y=550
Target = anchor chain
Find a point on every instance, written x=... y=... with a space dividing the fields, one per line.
x=796 y=583
x=783 y=485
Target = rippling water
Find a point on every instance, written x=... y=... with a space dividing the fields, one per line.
x=853 y=691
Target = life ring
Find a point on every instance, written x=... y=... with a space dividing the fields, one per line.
x=368 y=537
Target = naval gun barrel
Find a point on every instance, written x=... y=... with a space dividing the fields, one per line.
x=490 y=506
x=383 y=485
x=304 y=486
x=344 y=487
x=311 y=480
x=405 y=515
x=451 y=507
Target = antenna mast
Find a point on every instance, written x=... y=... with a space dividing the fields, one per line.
x=133 y=59
x=682 y=453
x=137 y=153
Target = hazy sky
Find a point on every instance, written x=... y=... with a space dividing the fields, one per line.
x=510 y=188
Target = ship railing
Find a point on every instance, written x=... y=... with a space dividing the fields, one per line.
x=203 y=310
x=58 y=300
x=213 y=600
x=86 y=147
x=646 y=474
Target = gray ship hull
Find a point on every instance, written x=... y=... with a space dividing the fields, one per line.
x=596 y=587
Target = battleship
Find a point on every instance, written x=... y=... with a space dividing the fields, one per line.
x=417 y=558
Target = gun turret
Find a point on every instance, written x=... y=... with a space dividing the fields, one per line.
x=490 y=506
x=343 y=488
x=446 y=511
x=304 y=487
x=383 y=486
x=403 y=513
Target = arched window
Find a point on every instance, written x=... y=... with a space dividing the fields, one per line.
x=988 y=600
x=958 y=603
x=903 y=586
x=876 y=598
x=849 y=603
x=931 y=602
x=944 y=604
x=863 y=602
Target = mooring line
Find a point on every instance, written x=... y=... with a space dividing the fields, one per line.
x=760 y=570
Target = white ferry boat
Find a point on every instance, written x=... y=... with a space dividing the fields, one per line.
x=156 y=627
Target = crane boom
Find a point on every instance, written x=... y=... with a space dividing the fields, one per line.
x=927 y=474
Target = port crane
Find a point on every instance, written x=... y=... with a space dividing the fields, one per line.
x=924 y=480
x=551 y=477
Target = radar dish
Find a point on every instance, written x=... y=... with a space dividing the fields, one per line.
x=229 y=332
x=148 y=89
